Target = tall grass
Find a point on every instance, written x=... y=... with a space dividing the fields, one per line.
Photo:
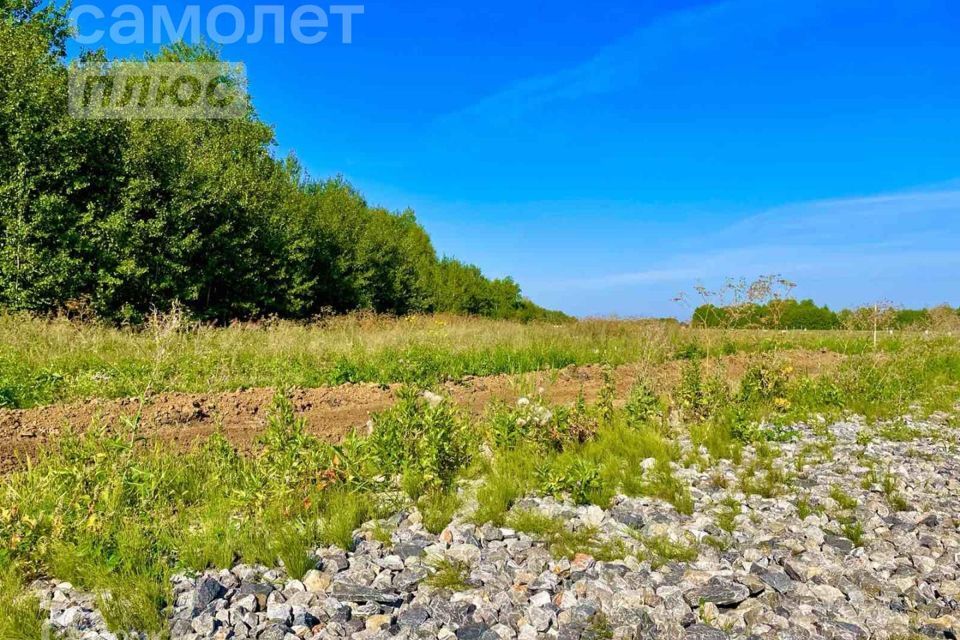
x=45 y=361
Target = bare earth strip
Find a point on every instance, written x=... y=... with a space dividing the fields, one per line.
x=180 y=419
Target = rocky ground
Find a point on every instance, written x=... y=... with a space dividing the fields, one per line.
x=858 y=538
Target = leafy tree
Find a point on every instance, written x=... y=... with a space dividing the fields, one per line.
x=130 y=215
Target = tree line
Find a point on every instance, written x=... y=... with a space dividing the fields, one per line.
x=126 y=216
x=805 y=314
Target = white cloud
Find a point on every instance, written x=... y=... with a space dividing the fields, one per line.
x=844 y=239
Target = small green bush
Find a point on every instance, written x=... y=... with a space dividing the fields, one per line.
x=449 y=574
x=643 y=405
x=577 y=477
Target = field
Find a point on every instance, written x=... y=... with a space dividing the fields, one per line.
x=632 y=475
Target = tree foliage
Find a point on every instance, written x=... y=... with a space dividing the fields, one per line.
x=805 y=314
x=780 y=314
x=125 y=216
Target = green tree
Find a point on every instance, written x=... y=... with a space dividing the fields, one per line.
x=132 y=215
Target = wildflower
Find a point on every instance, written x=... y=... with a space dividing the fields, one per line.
x=432 y=398
x=542 y=414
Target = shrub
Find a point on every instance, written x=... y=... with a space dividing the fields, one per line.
x=689 y=396
x=606 y=397
x=642 y=405
x=425 y=437
x=577 y=477
x=574 y=426
x=525 y=421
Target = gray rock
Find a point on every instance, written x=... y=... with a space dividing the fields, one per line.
x=451 y=614
x=359 y=594
x=408 y=579
x=412 y=618
x=719 y=591
x=273 y=632
x=411 y=548
x=837 y=542
x=836 y=630
x=260 y=591
x=311 y=617
x=208 y=589
x=540 y=618
x=180 y=628
x=546 y=581
x=627 y=517
x=280 y=613
x=777 y=580
x=490 y=533
x=471 y=631
x=703 y=632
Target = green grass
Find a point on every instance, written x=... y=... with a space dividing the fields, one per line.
x=599 y=628
x=852 y=531
x=564 y=541
x=665 y=485
x=48 y=361
x=20 y=617
x=509 y=477
x=449 y=574
x=45 y=361
x=890 y=488
x=660 y=550
x=438 y=508
x=730 y=509
x=113 y=515
x=382 y=534
x=806 y=508
x=344 y=512
x=898 y=431
x=763 y=476
x=842 y=498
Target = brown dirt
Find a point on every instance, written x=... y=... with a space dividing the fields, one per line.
x=180 y=419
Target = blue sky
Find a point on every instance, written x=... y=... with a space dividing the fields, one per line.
x=609 y=155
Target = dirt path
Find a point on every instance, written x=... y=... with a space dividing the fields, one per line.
x=180 y=419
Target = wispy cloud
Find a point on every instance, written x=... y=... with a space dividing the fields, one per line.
x=847 y=239
x=866 y=218
x=702 y=31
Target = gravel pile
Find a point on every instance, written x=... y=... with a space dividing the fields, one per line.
x=887 y=566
